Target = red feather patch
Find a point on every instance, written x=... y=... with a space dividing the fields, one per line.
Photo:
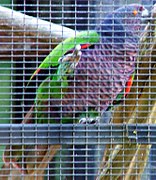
x=85 y=46
x=37 y=71
x=129 y=85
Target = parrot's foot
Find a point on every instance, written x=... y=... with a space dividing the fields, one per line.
x=84 y=120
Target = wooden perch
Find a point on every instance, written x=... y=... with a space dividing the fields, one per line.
x=128 y=160
x=22 y=34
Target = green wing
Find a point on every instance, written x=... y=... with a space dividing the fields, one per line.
x=55 y=86
x=84 y=37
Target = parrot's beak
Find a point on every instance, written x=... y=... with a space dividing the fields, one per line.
x=146 y=16
x=145 y=13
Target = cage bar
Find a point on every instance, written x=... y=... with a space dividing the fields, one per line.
x=67 y=121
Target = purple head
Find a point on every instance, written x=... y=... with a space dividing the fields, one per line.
x=123 y=23
x=132 y=17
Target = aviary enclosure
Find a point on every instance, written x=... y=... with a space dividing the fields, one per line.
x=77 y=90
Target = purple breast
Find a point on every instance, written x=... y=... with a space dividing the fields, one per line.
x=99 y=77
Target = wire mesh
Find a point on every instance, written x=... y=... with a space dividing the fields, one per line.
x=88 y=112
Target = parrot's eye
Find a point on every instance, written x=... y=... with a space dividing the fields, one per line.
x=135 y=12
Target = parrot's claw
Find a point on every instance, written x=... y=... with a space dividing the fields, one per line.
x=72 y=57
x=77 y=48
x=95 y=120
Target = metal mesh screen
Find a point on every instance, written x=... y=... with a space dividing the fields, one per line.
x=77 y=89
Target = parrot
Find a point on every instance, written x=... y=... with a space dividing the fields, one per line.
x=106 y=71
x=90 y=78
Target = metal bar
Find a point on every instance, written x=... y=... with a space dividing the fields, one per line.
x=77 y=133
